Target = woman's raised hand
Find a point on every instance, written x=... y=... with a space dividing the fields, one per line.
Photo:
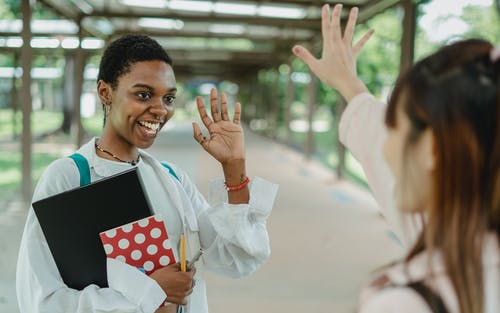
x=337 y=66
x=226 y=142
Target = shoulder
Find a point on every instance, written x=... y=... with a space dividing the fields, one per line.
x=395 y=299
x=61 y=175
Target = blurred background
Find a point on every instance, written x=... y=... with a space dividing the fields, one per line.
x=241 y=47
x=49 y=59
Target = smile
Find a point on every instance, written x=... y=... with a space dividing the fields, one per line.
x=152 y=128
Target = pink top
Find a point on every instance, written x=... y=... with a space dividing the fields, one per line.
x=363 y=131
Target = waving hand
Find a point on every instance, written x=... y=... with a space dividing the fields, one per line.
x=226 y=142
x=337 y=66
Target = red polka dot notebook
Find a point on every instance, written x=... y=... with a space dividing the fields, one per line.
x=143 y=244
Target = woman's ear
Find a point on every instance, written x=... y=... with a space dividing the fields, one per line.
x=427 y=150
x=104 y=91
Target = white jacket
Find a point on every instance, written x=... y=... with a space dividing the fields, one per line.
x=363 y=131
x=234 y=239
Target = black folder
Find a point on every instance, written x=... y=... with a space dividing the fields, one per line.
x=72 y=220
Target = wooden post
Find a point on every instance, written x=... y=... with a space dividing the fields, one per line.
x=79 y=66
x=289 y=99
x=408 y=37
x=313 y=96
x=26 y=57
x=341 y=105
x=273 y=103
x=14 y=95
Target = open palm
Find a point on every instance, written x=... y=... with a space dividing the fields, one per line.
x=226 y=141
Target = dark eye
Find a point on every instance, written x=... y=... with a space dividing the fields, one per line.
x=169 y=100
x=144 y=95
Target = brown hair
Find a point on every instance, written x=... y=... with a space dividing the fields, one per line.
x=455 y=93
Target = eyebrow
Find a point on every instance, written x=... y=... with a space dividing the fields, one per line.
x=150 y=88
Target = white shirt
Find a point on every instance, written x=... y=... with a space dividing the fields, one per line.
x=363 y=131
x=234 y=239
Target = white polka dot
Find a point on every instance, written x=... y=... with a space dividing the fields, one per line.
x=158 y=218
x=136 y=255
x=111 y=233
x=121 y=258
x=148 y=265
x=127 y=228
x=164 y=260
x=108 y=248
x=139 y=238
x=166 y=244
x=123 y=243
x=152 y=249
x=155 y=232
x=144 y=222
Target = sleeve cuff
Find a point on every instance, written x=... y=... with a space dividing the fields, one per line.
x=242 y=224
x=262 y=195
x=137 y=287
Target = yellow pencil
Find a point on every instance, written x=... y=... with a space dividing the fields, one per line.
x=183 y=253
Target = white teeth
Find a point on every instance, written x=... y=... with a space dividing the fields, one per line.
x=152 y=126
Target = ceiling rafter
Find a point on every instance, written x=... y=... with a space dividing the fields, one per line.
x=124 y=19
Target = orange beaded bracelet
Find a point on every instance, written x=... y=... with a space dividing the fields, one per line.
x=237 y=187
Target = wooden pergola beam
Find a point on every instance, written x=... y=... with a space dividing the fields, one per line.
x=26 y=60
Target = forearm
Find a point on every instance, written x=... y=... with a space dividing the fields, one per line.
x=352 y=87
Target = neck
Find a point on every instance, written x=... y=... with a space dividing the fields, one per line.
x=121 y=149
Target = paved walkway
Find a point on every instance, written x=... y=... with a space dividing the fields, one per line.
x=326 y=234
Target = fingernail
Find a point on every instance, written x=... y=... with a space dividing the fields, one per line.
x=296 y=50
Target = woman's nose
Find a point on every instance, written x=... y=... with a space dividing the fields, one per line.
x=158 y=108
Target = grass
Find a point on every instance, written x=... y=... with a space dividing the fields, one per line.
x=10 y=167
x=10 y=161
x=41 y=122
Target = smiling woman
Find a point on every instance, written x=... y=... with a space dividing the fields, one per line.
x=137 y=87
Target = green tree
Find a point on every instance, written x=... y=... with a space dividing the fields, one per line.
x=484 y=22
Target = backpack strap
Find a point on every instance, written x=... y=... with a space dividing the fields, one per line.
x=170 y=170
x=83 y=167
x=433 y=300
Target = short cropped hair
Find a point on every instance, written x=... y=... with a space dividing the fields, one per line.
x=125 y=51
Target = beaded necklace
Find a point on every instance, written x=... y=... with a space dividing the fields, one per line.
x=133 y=162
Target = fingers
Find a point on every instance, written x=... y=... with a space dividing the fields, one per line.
x=359 y=45
x=326 y=26
x=198 y=136
x=350 y=26
x=305 y=56
x=335 y=22
x=224 y=114
x=203 y=113
x=237 y=113
x=214 y=105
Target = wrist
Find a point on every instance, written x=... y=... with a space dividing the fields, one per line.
x=234 y=171
x=355 y=88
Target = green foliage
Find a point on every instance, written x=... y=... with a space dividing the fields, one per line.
x=483 y=22
x=10 y=166
x=41 y=122
x=378 y=62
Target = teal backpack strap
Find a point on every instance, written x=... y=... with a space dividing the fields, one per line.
x=83 y=167
x=171 y=170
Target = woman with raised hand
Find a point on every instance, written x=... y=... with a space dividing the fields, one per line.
x=441 y=142
x=137 y=87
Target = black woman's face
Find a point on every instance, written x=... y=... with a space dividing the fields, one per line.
x=142 y=102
